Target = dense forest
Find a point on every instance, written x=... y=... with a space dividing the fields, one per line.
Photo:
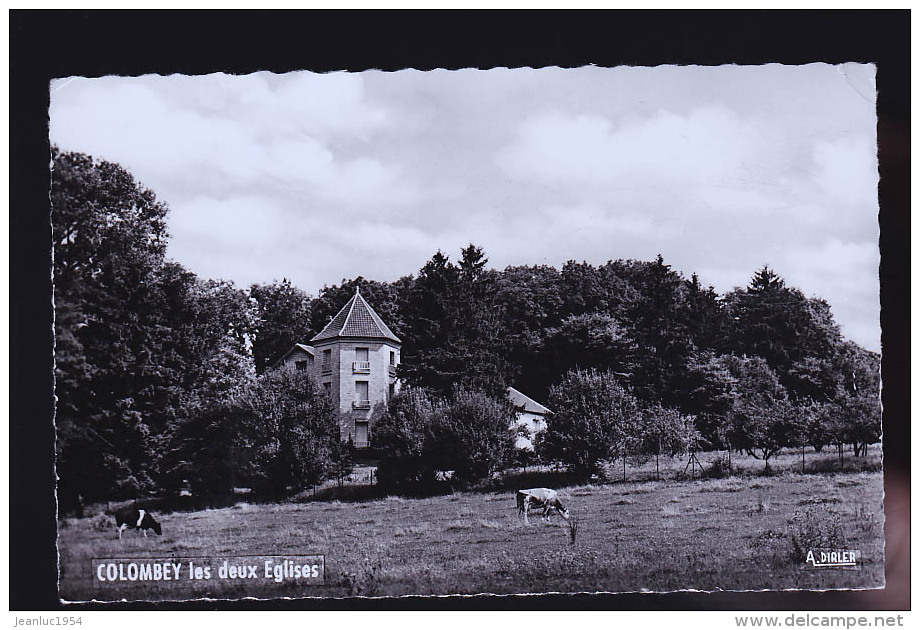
x=163 y=379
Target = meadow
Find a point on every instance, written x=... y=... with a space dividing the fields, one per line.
x=744 y=532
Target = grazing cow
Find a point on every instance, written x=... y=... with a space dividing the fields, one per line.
x=540 y=498
x=136 y=518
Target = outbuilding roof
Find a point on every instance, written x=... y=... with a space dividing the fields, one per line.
x=356 y=319
x=294 y=348
x=526 y=403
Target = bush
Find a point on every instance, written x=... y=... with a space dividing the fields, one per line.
x=814 y=529
x=421 y=435
x=102 y=523
x=405 y=435
x=473 y=436
x=718 y=468
x=594 y=415
x=289 y=434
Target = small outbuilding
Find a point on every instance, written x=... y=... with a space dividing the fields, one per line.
x=531 y=418
x=300 y=355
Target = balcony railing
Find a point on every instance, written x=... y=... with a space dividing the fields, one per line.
x=392 y=370
x=359 y=444
x=361 y=404
x=361 y=367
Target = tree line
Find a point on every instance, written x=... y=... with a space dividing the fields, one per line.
x=164 y=379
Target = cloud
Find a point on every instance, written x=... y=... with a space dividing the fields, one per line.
x=847 y=170
x=708 y=145
x=223 y=238
x=845 y=274
x=310 y=170
x=242 y=131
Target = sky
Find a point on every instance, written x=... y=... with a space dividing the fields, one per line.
x=322 y=177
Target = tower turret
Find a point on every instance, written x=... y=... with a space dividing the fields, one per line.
x=356 y=355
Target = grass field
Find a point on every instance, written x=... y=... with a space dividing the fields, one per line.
x=735 y=533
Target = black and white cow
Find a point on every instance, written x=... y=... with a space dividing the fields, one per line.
x=136 y=518
x=545 y=498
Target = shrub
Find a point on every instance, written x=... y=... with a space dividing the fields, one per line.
x=594 y=416
x=405 y=435
x=718 y=468
x=473 y=436
x=814 y=529
x=102 y=523
x=289 y=434
x=421 y=435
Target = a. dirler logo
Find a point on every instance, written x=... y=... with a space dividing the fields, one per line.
x=832 y=558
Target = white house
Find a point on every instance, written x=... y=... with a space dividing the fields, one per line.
x=531 y=416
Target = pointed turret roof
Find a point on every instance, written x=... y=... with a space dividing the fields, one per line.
x=356 y=319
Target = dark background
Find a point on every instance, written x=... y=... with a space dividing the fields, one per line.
x=49 y=44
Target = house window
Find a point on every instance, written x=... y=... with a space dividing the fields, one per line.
x=392 y=358
x=361 y=434
x=328 y=388
x=301 y=366
x=392 y=389
x=362 y=400
x=362 y=364
x=327 y=360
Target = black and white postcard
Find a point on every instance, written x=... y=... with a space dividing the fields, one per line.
x=454 y=332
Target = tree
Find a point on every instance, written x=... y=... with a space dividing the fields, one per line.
x=210 y=326
x=593 y=340
x=473 y=436
x=665 y=431
x=780 y=324
x=763 y=418
x=283 y=318
x=856 y=404
x=405 y=435
x=705 y=315
x=421 y=434
x=289 y=434
x=708 y=394
x=588 y=289
x=658 y=321
x=205 y=453
x=817 y=423
x=531 y=299
x=455 y=327
x=593 y=416
x=480 y=326
x=428 y=353
x=814 y=378
x=109 y=237
x=154 y=378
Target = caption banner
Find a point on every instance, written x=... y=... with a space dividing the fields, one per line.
x=276 y=569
